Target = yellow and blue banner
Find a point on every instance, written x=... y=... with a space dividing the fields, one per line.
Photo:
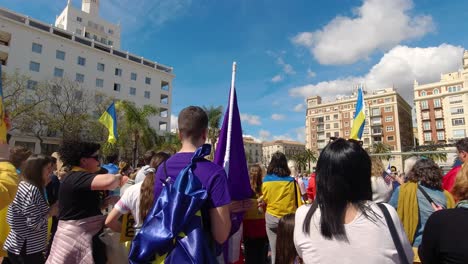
x=359 y=117
x=109 y=120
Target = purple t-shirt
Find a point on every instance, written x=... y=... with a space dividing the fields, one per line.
x=212 y=176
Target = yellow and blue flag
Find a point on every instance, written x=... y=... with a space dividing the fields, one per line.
x=359 y=117
x=109 y=120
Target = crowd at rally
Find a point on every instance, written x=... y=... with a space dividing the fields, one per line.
x=67 y=208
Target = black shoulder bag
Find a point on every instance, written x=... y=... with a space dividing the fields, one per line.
x=396 y=239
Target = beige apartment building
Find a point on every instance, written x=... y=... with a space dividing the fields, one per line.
x=289 y=148
x=253 y=150
x=388 y=120
x=440 y=113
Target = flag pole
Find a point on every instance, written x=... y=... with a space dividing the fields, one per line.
x=231 y=105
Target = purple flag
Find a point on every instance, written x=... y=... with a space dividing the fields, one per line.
x=231 y=155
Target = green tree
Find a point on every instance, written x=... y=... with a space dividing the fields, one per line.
x=214 y=122
x=431 y=146
x=311 y=157
x=381 y=148
x=301 y=160
x=169 y=142
x=134 y=125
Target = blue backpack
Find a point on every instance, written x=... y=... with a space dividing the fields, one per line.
x=173 y=229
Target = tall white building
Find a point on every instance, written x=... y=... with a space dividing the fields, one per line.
x=84 y=48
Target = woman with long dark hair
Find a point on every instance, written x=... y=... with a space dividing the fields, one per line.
x=28 y=213
x=138 y=198
x=343 y=224
x=281 y=195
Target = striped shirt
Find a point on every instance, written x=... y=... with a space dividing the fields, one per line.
x=27 y=217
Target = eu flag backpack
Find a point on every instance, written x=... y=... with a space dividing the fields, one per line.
x=173 y=229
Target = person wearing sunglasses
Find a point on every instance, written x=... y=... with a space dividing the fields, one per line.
x=80 y=217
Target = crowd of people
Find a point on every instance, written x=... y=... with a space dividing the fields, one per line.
x=60 y=208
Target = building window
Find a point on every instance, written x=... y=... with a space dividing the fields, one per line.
x=456 y=110
x=337 y=134
x=440 y=135
x=81 y=61
x=327 y=126
x=458 y=121
x=79 y=78
x=424 y=105
x=346 y=124
x=78 y=31
x=37 y=48
x=346 y=115
x=437 y=103
x=436 y=91
x=388 y=99
x=328 y=135
x=110 y=31
x=427 y=125
x=32 y=85
x=101 y=66
x=458 y=133
x=147 y=94
x=117 y=87
x=132 y=91
x=335 y=125
x=79 y=19
x=133 y=76
x=100 y=83
x=388 y=109
x=148 y=80
x=346 y=133
x=110 y=43
x=427 y=136
x=118 y=72
x=375 y=111
x=34 y=66
x=389 y=119
x=335 y=117
x=439 y=124
x=423 y=93
x=390 y=138
x=390 y=128
x=58 y=72
x=60 y=55
x=452 y=89
x=438 y=113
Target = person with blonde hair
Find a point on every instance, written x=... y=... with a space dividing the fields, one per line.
x=445 y=233
x=381 y=188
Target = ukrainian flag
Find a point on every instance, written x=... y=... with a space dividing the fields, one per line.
x=109 y=120
x=359 y=117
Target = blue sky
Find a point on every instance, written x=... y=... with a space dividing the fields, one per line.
x=285 y=50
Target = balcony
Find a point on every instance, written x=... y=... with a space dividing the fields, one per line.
x=426 y=117
x=376 y=113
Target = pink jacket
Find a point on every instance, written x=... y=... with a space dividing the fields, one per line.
x=73 y=241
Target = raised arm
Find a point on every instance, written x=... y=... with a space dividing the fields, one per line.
x=106 y=182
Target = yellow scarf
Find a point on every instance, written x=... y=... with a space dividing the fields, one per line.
x=408 y=209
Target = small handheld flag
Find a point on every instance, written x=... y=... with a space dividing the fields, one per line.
x=359 y=117
x=109 y=120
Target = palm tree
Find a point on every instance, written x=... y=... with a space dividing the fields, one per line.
x=301 y=160
x=431 y=146
x=214 y=122
x=169 y=142
x=136 y=124
x=311 y=157
x=381 y=148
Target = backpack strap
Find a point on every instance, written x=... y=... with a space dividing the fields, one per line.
x=295 y=193
x=396 y=239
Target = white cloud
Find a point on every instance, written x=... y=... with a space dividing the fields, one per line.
x=277 y=117
x=144 y=13
x=399 y=68
x=174 y=124
x=256 y=139
x=283 y=137
x=253 y=120
x=264 y=134
x=310 y=73
x=277 y=78
x=287 y=68
x=376 y=25
x=299 y=108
